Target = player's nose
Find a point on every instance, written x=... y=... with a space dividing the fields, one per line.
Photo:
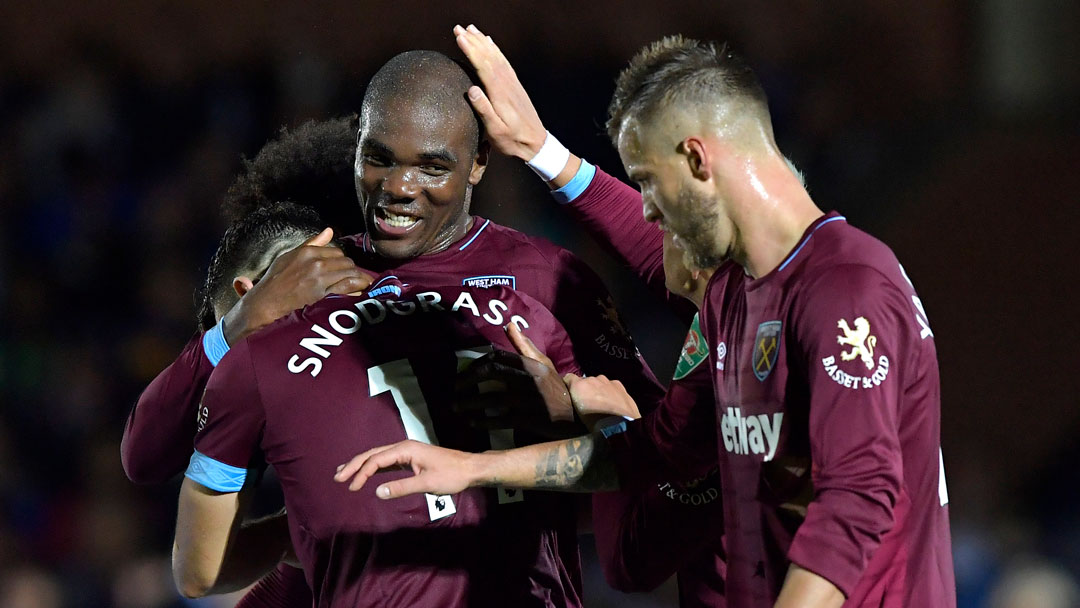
x=651 y=213
x=400 y=182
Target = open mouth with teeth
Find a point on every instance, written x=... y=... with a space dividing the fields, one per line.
x=394 y=224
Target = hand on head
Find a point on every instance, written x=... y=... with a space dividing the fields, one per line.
x=510 y=120
x=295 y=279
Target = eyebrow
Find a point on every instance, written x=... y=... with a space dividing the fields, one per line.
x=374 y=146
x=441 y=155
x=371 y=145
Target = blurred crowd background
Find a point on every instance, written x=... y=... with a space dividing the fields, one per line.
x=949 y=129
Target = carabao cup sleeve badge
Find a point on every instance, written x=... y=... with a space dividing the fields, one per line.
x=694 y=351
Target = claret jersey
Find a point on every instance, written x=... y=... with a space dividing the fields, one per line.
x=828 y=407
x=827 y=413
x=351 y=373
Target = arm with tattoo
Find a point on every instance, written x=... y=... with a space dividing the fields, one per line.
x=581 y=464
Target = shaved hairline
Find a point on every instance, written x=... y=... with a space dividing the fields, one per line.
x=739 y=120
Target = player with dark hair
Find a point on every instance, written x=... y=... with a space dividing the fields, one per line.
x=311 y=164
x=248 y=248
x=827 y=389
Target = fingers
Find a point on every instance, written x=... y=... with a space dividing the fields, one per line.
x=521 y=343
x=348 y=280
x=320 y=240
x=526 y=347
x=480 y=50
x=407 y=486
x=356 y=466
x=350 y=284
x=483 y=107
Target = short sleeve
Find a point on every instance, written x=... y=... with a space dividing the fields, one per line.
x=230 y=420
x=854 y=333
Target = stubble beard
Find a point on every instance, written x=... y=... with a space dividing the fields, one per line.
x=698 y=230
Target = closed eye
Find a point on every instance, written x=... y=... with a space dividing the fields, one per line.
x=435 y=170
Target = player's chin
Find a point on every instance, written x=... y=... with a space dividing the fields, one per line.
x=397 y=249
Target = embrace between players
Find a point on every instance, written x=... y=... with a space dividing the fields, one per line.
x=793 y=461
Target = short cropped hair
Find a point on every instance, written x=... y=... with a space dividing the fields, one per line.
x=311 y=165
x=680 y=71
x=246 y=249
x=428 y=78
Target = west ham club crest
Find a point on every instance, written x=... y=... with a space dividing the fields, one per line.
x=766 y=348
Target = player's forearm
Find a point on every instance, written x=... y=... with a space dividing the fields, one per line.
x=256 y=548
x=581 y=464
x=804 y=589
x=213 y=552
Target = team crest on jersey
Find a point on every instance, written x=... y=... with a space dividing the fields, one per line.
x=491 y=280
x=694 y=351
x=766 y=349
x=857 y=344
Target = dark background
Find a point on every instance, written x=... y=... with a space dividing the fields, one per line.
x=948 y=129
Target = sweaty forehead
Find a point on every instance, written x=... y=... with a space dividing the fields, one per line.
x=634 y=144
x=426 y=123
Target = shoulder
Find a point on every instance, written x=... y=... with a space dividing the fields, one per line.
x=847 y=262
x=526 y=247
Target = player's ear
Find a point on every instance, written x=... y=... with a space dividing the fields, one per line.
x=698 y=158
x=242 y=285
x=483 y=151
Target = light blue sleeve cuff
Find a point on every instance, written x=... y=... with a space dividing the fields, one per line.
x=215 y=475
x=214 y=344
x=613 y=425
x=576 y=185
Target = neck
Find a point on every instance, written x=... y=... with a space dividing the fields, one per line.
x=775 y=213
x=701 y=282
x=453 y=233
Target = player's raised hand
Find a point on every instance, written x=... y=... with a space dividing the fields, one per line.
x=296 y=279
x=435 y=470
x=598 y=397
x=520 y=390
x=510 y=119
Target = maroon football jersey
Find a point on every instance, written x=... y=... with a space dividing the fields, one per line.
x=351 y=373
x=828 y=408
x=491 y=256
